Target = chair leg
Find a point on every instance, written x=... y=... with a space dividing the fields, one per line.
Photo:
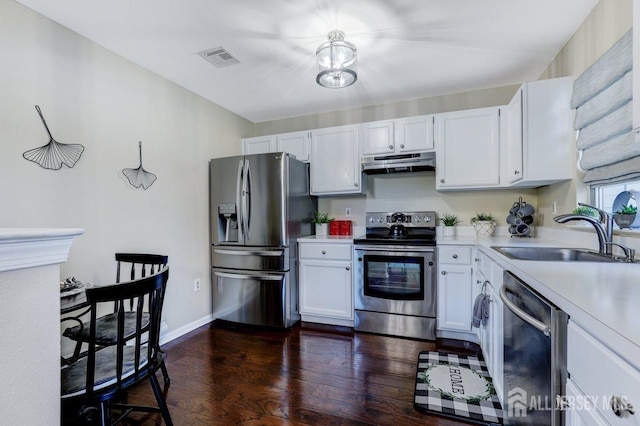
x=104 y=414
x=165 y=373
x=162 y=404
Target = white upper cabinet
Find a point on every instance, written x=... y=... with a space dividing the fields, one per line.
x=414 y=134
x=335 y=161
x=378 y=138
x=404 y=135
x=295 y=143
x=636 y=67
x=538 y=141
x=259 y=145
x=468 y=149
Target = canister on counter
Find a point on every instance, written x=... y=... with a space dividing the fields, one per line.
x=334 y=227
x=345 y=227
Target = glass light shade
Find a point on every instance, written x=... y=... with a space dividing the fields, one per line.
x=336 y=62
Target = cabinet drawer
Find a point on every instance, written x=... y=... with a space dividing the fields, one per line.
x=455 y=255
x=601 y=375
x=326 y=251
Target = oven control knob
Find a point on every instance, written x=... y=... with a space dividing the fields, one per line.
x=370 y=219
x=418 y=220
x=427 y=219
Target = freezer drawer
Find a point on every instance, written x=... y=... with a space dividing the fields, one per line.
x=252 y=258
x=255 y=298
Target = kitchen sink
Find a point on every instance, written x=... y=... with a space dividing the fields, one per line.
x=555 y=254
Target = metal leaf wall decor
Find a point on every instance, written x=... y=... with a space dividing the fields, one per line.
x=139 y=177
x=54 y=154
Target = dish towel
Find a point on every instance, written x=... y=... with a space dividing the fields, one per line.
x=480 y=310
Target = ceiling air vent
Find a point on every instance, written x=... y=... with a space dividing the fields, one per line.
x=219 y=57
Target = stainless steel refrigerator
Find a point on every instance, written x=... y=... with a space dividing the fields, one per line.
x=260 y=204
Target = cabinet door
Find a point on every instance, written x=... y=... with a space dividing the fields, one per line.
x=259 y=145
x=414 y=134
x=454 y=298
x=335 y=161
x=378 y=138
x=325 y=289
x=580 y=411
x=295 y=143
x=468 y=149
x=511 y=124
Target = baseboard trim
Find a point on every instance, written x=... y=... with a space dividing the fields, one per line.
x=172 y=335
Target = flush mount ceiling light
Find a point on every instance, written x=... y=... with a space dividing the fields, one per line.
x=336 y=62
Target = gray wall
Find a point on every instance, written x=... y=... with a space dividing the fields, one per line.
x=96 y=98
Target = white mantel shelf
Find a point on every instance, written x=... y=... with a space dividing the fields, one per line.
x=30 y=322
x=22 y=248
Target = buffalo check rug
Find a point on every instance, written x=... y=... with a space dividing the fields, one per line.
x=456 y=386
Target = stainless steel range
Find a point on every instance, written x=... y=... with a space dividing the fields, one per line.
x=395 y=275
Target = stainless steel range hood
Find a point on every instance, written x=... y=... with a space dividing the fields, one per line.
x=402 y=163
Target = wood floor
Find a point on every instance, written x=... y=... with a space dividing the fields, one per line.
x=314 y=375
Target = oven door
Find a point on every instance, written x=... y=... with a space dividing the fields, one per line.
x=395 y=279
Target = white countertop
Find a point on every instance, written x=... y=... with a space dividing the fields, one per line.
x=602 y=297
x=344 y=239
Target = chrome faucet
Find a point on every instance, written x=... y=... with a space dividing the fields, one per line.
x=603 y=226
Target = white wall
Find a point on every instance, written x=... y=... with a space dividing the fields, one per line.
x=98 y=99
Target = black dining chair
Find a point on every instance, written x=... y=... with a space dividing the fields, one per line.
x=130 y=266
x=101 y=377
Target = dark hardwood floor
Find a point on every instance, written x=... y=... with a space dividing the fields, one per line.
x=315 y=375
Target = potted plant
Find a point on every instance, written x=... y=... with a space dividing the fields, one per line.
x=449 y=221
x=483 y=224
x=625 y=216
x=321 y=220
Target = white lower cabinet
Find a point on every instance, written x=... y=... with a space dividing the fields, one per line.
x=580 y=410
x=326 y=284
x=600 y=376
x=455 y=288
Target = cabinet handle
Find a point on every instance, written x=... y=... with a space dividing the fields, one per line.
x=476 y=259
x=324 y=252
x=620 y=406
x=348 y=268
x=390 y=146
x=455 y=256
x=402 y=145
x=441 y=180
x=516 y=172
x=444 y=272
x=355 y=184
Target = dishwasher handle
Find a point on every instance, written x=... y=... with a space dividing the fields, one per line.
x=544 y=328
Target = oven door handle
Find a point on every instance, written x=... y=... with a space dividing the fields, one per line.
x=539 y=325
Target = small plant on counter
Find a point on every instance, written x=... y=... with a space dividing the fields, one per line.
x=449 y=219
x=627 y=209
x=482 y=217
x=586 y=211
x=321 y=218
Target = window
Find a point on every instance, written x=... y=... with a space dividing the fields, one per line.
x=603 y=196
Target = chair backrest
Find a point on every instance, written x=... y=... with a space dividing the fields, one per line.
x=139 y=264
x=148 y=291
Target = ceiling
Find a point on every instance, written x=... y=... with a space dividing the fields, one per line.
x=407 y=49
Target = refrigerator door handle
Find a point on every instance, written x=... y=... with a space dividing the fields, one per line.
x=239 y=185
x=249 y=277
x=246 y=199
x=274 y=253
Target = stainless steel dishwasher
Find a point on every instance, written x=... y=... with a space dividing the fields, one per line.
x=535 y=355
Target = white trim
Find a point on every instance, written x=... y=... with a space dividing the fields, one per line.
x=172 y=335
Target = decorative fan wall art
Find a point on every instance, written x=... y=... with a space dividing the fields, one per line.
x=54 y=154
x=139 y=177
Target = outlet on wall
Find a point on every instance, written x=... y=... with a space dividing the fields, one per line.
x=196 y=284
x=347 y=212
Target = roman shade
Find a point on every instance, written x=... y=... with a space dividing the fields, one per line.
x=602 y=97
